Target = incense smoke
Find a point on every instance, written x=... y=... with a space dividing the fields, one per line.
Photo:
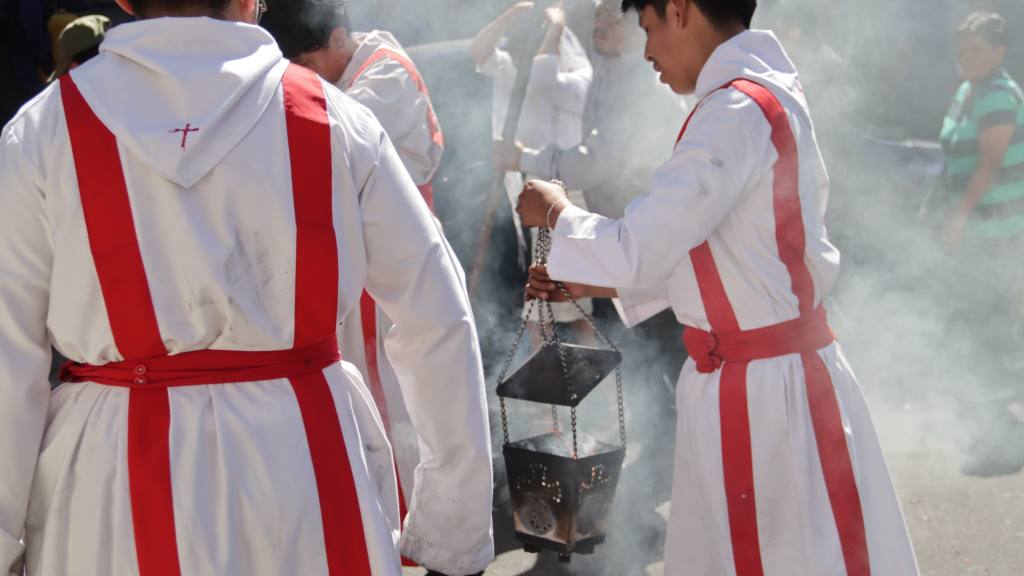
x=878 y=76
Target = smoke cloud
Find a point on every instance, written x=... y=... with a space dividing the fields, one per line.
x=879 y=76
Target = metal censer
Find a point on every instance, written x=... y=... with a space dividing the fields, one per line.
x=562 y=486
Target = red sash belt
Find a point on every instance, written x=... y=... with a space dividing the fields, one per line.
x=207 y=367
x=710 y=350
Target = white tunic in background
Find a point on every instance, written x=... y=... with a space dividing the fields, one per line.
x=393 y=93
x=552 y=115
x=718 y=187
x=216 y=230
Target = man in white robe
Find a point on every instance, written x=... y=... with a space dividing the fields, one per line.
x=375 y=71
x=187 y=217
x=778 y=470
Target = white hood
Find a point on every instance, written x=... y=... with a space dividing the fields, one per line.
x=755 y=55
x=155 y=76
x=369 y=42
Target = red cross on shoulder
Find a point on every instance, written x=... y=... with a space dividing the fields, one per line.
x=184 y=133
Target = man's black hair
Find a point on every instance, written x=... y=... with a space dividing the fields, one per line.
x=302 y=26
x=721 y=13
x=143 y=8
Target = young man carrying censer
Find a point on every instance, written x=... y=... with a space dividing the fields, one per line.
x=778 y=470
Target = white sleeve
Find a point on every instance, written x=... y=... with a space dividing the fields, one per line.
x=709 y=173
x=25 y=260
x=499 y=65
x=414 y=276
x=390 y=92
x=566 y=90
x=635 y=305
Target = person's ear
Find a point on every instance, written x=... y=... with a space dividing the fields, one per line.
x=676 y=14
x=338 y=39
x=247 y=8
x=1001 y=52
x=126 y=6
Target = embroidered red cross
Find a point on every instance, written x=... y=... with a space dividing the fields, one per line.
x=184 y=133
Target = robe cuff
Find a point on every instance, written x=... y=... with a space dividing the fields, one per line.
x=635 y=305
x=572 y=221
x=434 y=557
x=569 y=219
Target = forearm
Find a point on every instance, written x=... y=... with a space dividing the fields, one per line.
x=598 y=292
x=486 y=41
x=552 y=39
x=981 y=182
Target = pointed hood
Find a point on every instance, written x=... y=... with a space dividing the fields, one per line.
x=156 y=77
x=369 y=42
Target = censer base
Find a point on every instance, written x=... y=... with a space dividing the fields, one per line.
x=561 y=502
x=534 y=545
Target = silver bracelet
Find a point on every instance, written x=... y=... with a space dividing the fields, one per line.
x=560 y=184
x=547 y=218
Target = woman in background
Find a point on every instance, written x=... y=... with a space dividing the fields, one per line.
x=983 y=140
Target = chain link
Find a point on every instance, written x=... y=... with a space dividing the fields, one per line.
x=508 y=363
x=546 y=316
x=546 y=234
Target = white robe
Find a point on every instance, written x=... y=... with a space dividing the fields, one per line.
x=392 y=93
x=718 y=187
x=215 y=222
x=391 y=88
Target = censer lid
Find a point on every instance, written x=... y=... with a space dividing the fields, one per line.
x=560 y=444
x=541 y=377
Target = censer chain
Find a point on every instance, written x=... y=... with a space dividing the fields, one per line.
x=508 y=363
x=547 y=317
x=543 y=249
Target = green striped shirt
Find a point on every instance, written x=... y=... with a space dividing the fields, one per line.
x=998 y=101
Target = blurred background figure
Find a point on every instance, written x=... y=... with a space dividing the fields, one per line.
x=630 y=121
x=1013 y=12
x=624 y=107
x=552 y=113
x=983 y=140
